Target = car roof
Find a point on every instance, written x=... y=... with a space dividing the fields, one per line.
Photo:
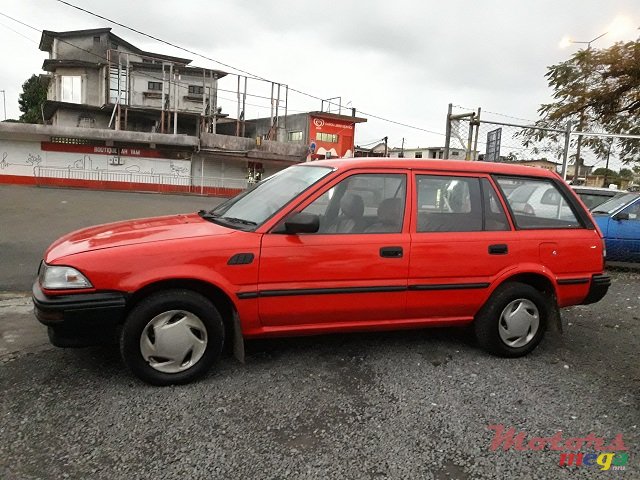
x=442 y=165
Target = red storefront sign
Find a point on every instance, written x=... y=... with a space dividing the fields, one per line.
x=331 y=136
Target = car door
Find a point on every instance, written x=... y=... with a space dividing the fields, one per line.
x=354 y=269
x=623 y=234
x=455 y=250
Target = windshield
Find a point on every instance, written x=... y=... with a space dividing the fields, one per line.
x=615 y=203
x=255 y=206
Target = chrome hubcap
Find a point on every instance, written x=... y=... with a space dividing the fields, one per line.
x=519 y=323
x=173 y=341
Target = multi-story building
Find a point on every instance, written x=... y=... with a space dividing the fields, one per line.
x=117 y=116
x=99 y=80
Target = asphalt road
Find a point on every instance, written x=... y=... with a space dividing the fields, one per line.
x=397 y=405
x=31 y=218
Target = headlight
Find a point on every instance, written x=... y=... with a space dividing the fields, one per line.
x=54 y=277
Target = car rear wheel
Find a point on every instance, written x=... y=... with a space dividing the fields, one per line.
x=172 y=337
x=513 y=321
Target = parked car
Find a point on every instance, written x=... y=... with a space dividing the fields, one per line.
x=619 y=221
x=546 y=198
x=594 y=196
x=328 y=246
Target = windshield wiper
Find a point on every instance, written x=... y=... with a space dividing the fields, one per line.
x=239 y=220
x=599 y=211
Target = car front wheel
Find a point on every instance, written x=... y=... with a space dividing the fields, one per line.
x=513 y=321
x=172 y=337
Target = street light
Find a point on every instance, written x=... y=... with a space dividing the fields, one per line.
x=565 y=42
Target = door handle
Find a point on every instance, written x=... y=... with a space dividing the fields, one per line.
x=391 y=252
x=498 y=249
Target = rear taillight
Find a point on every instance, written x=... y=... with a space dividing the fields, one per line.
x=604 y=252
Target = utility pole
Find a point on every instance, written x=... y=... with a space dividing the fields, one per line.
x=606 y=168
x=447 y=141
x=386 y=146
x=578 y=163
x=402 y=149
x=4 y=103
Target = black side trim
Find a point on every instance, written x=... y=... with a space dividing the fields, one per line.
x=573 y=281
x=241 y=259
x=449 y=286
x=247 y=295
x=320 y=291
x=330 y=291
x=598 y=289
x=380 y=289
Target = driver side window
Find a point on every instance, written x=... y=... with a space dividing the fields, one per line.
x=633 y=210
x=362 y=203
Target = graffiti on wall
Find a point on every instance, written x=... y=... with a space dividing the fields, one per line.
x=31 y=160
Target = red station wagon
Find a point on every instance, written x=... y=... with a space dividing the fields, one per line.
x=323 y=247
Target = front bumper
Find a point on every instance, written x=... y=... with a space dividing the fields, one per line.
x=597 y=289
x=82 y=319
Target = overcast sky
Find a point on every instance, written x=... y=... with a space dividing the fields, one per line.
x=404 y=60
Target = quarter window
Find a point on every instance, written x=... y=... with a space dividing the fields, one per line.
x=537 y=203
x=362 y=203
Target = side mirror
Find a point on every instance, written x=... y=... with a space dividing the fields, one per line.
x=621 y=216
x=299 y=223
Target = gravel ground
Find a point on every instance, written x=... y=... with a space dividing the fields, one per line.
x=400 y=405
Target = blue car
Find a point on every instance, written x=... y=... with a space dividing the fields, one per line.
x=619 y=221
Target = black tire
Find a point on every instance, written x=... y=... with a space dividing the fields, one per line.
x=156 y=304
x=488 y=319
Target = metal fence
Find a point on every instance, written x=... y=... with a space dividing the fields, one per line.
x=136 y=181
x=509 y=139
x=484 y=137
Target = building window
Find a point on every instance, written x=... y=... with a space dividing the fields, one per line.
x=418 y=155
x=454 y=153
x=294 y=136
x=155 y=86
x=196 y=89
x=96 y=40
x=114 y=46
x=327 y=137
x=71 y=89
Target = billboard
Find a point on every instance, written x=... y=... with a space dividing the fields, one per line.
x=493 y=145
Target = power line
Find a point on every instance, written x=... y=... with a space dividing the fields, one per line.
x=236 y=68
x=142 y=73
x=19 y=33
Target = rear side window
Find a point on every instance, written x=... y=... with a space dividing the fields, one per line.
x=448 y=204
x=537 y=203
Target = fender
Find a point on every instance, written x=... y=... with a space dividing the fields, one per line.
x=555 y=319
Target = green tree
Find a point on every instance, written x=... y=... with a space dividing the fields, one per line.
x=33 y=96
x=611 y=174
x=626 y=173
x=597 y=90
